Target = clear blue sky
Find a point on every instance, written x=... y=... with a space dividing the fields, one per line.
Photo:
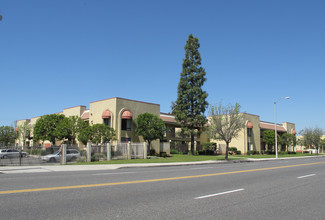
x=60 y=54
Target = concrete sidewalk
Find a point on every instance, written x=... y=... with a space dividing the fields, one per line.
x=61 y=168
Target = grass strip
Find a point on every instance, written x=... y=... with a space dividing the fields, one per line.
x=187 y=158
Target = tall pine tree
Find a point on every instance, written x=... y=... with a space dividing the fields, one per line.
x=191 y=101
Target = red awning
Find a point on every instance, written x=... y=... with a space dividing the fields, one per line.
x=127 y=115
x=106 y=114
x=85 y=115
x=249 y=124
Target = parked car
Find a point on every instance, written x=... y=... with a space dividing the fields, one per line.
x=10 y=153
x=72 y=154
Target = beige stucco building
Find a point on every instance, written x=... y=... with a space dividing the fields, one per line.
x=302 y=148
x=251 y=137
x=120 y=114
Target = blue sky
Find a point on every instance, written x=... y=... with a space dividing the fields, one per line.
x=60 y=54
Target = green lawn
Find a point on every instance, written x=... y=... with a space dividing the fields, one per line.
x=173 y=158
x=186 y=158
x=270 y=156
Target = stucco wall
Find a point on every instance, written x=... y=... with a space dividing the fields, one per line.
x=117 y=106
x=240 y=142
x=74 y=111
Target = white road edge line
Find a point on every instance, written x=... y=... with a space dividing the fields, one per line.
x=99 y=174
x=306 y=176
x=217 y=194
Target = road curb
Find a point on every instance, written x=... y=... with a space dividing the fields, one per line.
x=71 y=168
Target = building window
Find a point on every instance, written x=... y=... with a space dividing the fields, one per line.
x=126 y=124
x=171 y=132
x=125 y=140
x=107 y=121
x=249 y=132
x=249 y=146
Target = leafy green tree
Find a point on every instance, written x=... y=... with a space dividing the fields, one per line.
x=191 y=101
x=46 y=128
x=150 y=127
x=269 y=139
x=77 y=124
x=102 y=133
x=85 y=134
x=303 y=143
x=98 y=133
x=7 y=135
x=307 y=135
x=322 y=144
x=312 y=137
x=63 y=130
x=24 y=132
x=225 y=123
x=69 y=128
x=287 y=140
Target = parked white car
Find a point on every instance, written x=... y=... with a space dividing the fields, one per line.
x=10 y=153
x=72 y=154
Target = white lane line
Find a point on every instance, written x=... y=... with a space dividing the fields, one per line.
x=218 y=194
x=306 y=176
x=201 y=168
x=99 y=174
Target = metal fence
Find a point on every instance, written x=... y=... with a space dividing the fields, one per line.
x=15 y=156
x=52 y=155
x=137 y=150
x=119 y=151
x=32 y=156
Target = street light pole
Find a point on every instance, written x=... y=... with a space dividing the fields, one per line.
x=276 y=133
x=276 y=136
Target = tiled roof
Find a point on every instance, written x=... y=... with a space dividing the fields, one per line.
x=167 y=118
x=85 y=115
x=270 y=126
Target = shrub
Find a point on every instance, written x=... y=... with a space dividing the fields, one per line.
x=270 y=152
x=195 y=153
x=36 y=152
x=206 y=152
x=233 y=149
x=238 y=152
x=163 y=154
x=152 y=152
x=282 y=153
x=47 y=151
x=173 y=151
x=98 y=157
x=81 y=160
x=252 y=152
x=83 y=153
x=209 y=146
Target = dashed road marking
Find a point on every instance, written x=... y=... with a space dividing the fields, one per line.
x=218 y=194
x=300 y=177
x=153 y=180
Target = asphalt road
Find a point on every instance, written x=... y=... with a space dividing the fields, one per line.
x=283 y=189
